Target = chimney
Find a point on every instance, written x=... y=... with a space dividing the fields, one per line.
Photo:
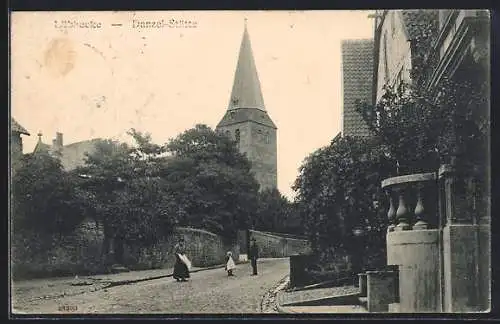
x=59 y=139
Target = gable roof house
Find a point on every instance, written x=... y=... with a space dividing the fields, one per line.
x=16 y=141
x=71 y=155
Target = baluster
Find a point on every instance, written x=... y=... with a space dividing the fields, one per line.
x=391 y=214
x=402 y=214
x=420 y=211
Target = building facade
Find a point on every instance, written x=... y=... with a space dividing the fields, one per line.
x=442 y=247
x=357 y=71
x=247 y=121
x=71 y=155
x=16 y=140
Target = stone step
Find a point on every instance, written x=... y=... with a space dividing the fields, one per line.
x=342 y=309
x=394 y=308
x=363 y=301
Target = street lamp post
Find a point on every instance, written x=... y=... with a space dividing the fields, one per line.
x=359 y=234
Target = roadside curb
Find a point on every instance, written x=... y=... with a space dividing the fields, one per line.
x=283 y=311
x=281 y=284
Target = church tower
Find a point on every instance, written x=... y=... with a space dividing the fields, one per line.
x=246 y=119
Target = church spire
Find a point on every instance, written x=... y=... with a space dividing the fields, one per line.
x=246 y=92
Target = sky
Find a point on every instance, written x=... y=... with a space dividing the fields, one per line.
x=100 y=82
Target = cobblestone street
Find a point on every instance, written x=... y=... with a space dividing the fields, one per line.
x=210 y=291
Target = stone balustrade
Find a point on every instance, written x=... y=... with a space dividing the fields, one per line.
x=413 y=242
x=412 y=201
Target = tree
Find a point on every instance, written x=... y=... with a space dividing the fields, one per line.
x=210 y=181
x=423 y=126
x=336 y=189
x=126 y=193
x=421 y=129
x=44 y=200
x=275 y=213
x=102 y=177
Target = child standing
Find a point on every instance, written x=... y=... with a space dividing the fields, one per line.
x=230 y=265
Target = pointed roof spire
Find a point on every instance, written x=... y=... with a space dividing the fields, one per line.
x=17 y=128
x=246 y=92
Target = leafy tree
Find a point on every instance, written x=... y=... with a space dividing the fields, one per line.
x=275 y=213
x=294 y=220
x=336 y=189
x=44 y=200
x=126 y=193
x=210 y=181
x=421 y=129
x=100 y=180
x=422 y=126
x=149 y=207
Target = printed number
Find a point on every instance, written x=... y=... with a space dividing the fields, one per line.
x=68 y=308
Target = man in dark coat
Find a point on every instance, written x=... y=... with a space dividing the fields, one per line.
x=254 y=255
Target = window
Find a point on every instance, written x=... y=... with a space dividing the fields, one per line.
x=237 y=135
x=267 y=138
x=228 y=134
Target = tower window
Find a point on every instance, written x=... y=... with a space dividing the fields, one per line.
x=228 y=133
x=237 y=135
x=267 y=138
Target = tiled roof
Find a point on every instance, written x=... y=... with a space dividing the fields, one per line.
x=246 y=92
x=357 y=77
x=235 y=116
x=246 y=102
x=41 y=147
x=73 y=155
x=15 y=127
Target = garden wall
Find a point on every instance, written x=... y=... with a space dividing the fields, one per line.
x=202 y=248
x=274 y=246
x=81 y=253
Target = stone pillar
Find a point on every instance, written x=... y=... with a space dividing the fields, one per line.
x=362 y=284
x=466 y=249
x=416 y=252
x=381 y=290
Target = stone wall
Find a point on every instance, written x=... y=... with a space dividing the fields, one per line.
x=81 y=253
x=274 y=246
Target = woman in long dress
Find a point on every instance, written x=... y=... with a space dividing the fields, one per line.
x=182 y=263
